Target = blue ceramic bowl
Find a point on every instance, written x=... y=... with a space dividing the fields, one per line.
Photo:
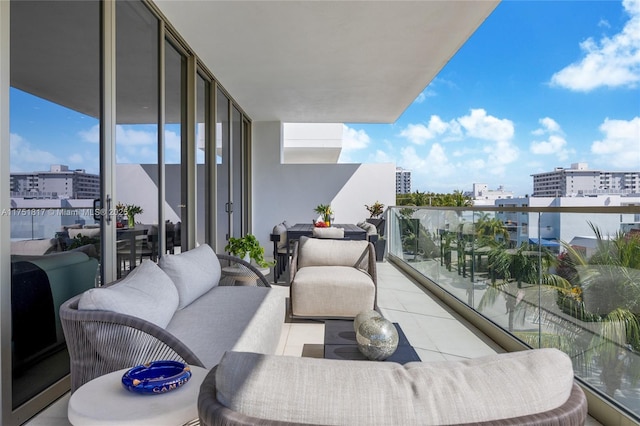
x=156 y=377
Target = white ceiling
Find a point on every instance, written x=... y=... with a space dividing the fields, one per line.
x=325 y=61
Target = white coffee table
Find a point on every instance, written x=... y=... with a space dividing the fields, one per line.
x=104 y=401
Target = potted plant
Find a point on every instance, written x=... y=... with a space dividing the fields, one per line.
x=325 y=211
x=375 y=212
x=130 y=210
x=247 y=248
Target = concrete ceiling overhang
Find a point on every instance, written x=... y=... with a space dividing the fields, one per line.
x=325 y=61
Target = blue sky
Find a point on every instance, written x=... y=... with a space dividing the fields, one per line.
x=541 y=84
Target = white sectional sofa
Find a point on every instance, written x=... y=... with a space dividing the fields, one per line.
x=174 y=310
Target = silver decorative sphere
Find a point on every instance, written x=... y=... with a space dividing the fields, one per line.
x=363 y=316
x=377 y=338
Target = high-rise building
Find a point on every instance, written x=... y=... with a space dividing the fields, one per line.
x=578 y=180
x=58 y=182
x=403 y=181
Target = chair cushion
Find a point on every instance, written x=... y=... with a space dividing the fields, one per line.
x=320 y=252
x=331 y=291
x=146 y=292
x=281 y=230
x=323 y=391
x=369 y=227
x=193 y=272
x=328 y=232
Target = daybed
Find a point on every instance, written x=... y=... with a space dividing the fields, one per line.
x=534 y=387
x=175 y=310
x=332 y=278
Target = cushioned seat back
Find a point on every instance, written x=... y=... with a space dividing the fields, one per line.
x=321 y=252
x=322 y=391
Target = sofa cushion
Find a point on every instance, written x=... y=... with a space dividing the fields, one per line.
x=193 y=272
x=322 y=391
x=316 y=287
x=321 y=252
x=146 y=292
x=230 y=318
x=492 y=387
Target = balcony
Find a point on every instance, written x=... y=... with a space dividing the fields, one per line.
x=436 y=331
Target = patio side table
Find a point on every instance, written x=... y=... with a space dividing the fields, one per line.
x=242 y=276
x=104 y=401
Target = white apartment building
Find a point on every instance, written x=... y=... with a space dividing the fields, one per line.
x=552 y=227
x=579 y=180
x=58 y=182
x=483 y=196
x=403 y=181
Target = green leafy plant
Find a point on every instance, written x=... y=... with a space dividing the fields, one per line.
x=129 y=210
x=82 y=240
x=250 y=245
x=375 y=210
x=324 y=210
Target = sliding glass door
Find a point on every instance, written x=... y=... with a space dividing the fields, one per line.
x=55 y=177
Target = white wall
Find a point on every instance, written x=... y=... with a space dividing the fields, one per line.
x=291 y=191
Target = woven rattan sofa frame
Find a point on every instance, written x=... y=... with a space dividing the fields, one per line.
x=152 y=342
x=212 y=413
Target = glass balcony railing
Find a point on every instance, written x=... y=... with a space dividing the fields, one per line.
x=39 y=223
x=567 y=278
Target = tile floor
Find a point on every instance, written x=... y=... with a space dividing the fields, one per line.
x=436 y=333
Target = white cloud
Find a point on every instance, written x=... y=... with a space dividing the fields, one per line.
x=494 y=153
x=555 y=143
x=419 y=134
x=612 y=62
x=621 y=143
x=382 y=157
x=76 y=159
x=353 y=139
x=25 y=158
x=426 y=93
x=480 y=125
x=128 y=136
x=92 y=135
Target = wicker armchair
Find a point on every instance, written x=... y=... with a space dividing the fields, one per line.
x=100 y=342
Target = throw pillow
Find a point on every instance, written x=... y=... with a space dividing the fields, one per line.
x=146 y=292
x=193 y=272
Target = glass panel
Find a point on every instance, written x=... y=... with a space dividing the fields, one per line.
x=223 y=158
x=137 y=128
x=175 y=194
x=202 y=111
x=552 y=279
x=54 y=102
